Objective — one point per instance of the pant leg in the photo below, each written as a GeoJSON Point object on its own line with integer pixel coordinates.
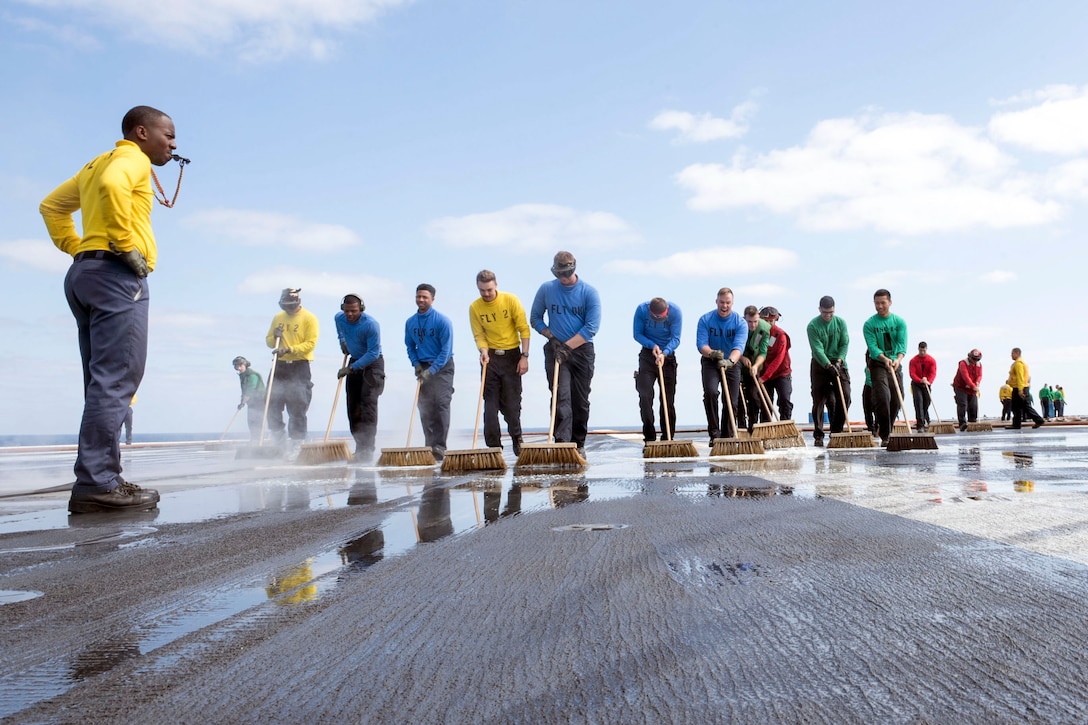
{"type": "Point", "coordinates": [781, 388]}
{"type": "Point", "coordinates": [434, 407]}
{"type": "Point", "coordinates": [110, 305]}
{"type": "Point", "coordinates": [299, 395]}
{"type": "Point", "coordinates": [712, 381]}
{"type": "Point", "coordinates": [668, 371]}
{"type": "Point", "coordinates": [867, 407]}
{"type": "Point", "coordinates": [821, 382]}
{"type": "Point", "coordinates": [510, 396]}
{"type": "Point", "coordinates": [918, 393]}
{"type": "Point", "coordinates": [841, 406]}
{"type": "Point", "coordinates": [353, 395]}
{"type": "Point", "coordinates": [732, 377]}
{"type": "Point", "coordinates": [255, 417]}
{"type": "Point", "coordinates": [581, 379]}
{"type": "Point", "coordinates": [972, 407]}
{"type": "Point", "coordinates": [645, 377]}
{"type": "Point", "coordinates": [751, 404]}
{"type": "Point", "coordinates": [561, 395]}
{"type": "Point", "coordinates": [128, 425]}
{"type": "Point", "coordinates": [277, 400]}
{"type": "Point", "coordinates": [493, 384]}
{"type": "Point", "coordinates": [885, 403]}
{"type": "Point", "coordinates": [373, 385]}
{"type": "Point", "coordinates": [961, 405]}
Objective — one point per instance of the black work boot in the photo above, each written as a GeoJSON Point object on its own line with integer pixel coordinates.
{"type": "Point", "coordinates": [125, 497]}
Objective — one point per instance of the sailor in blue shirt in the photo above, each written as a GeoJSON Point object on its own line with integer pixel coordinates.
{"type": "Point", "coordinates": [428, 335]}
{"type": "Point", "coordinates": [657, 327]}
{"type": "Point", "coordinates": [573, 312]}
{"type": "Point", "coordinates": [360, 340]}
{"type": "Point", "coordinates": [720, 337]}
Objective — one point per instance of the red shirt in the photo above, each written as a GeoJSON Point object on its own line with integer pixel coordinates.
{"type": "Point", "coordinates": [923, 367]}
{"type": "Point", "coordinates": [777, 362]}
{"type": "Point", "coordinates": [968, 376]}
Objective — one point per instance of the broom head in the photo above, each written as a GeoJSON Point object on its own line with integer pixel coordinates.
{"type": "Point", "coordinates": [421, 456]}
{"type": "Point", "coordinates": [474, 459]}
{"type": "Point", "coordinates": [550, 454]}
{"type": "Point", "coordinates": [779, 429]}
{"type": "Point", "coordinates": [900, 428]}
{"type": "Point", "coordinates": [941, 428]}
{"type": "Point", "coordinates": [980, 427]}
{"type": "Point", "coordinates": [787, 441]}
{"type": "Point", "coordinates": [912, 442]}
{"type": "Point", "coordinates": [736, 447]}
{"type": "Point", "coordinates": [310, 453]}
{"type": "Point", "coordinates": [851, 440]}
{"type": "Point", "coordinates": [669, 449]}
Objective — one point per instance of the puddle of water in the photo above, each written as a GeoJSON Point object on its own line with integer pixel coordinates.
{"type": "Point", "coordinates": [11, 596]}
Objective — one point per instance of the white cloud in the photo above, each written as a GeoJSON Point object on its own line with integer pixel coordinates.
{"type": "Point", "coordinates": [893, 279]}
{"type": "Point", "coordinates": [897, 173]}
{"type": "Point", "coordinates": [36, 254]}
{"type": "Point", "coordinates": [1053, 92]}
{"type": "Point", "coordinates": [705, 127]}
{"type": "Point", "coordinates": [319, 284]}
{"type": "Point", "coordinates": [710, 262]}
{"type": "Point", "coordinates": [999, 276]}
{"type": "Point", "coordinates": [1057, 125]}
{"type": "Point", "coordinates": [534, 227]}
{"type": "Point", "coordinates": [257, 30]}
{"type": "Point", "coordinates": [261, 228]}
{"type": "Point", "coordinates": [1069, 180]}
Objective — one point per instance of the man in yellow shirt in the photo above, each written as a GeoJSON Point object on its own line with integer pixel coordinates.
{"type": "Point", "coordinates": [501, 331]}
{"type": "Point", "coordinates": [292, 337]}
{"type": "Point", "coordinates": [107, 291]}
{"type": "Point", "coordinates": [1020, 380]}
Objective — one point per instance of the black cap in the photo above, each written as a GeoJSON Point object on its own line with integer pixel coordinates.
{"type": "Point", "coordinates": [769, 311]}
{"type": "Point", "coordinates": [827, 302]}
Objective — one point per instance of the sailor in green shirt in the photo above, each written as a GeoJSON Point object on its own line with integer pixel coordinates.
{"type": "Point", "coordinates": [755, 354]}
{"type": "Point", "coordinates": [829, 341]}
{"type": "Point", "coordinates": [886, 345]}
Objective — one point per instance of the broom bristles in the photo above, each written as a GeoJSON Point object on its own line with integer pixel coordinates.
{"type": "Point", "coordinates": [669, 449]}
{"type": "Point", "coordinates": [912, 442]}
{"type": "Point", "coordinates": [549, 454]}
{"type": "Point", "coordinates": [736, 447]}
{"type": "Point", "coordinates": [421, 456]}
{"type": "Point", "coordinates": [851, 440]}
{"type": "Point", "coordinates": [474, 459]}
{"type": "Point", "coordinates": [941, 428]}
{"type": "Point", "coordinates": [780, 429]}
{"type": "Point", "coordinates": [787, 441]}
{"type": "Point", "coordinates": [310, 453]}
{"type": "Point", "coordinates": [980, 427]}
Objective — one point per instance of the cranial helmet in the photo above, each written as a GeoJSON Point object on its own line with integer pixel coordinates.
{"type": "Point", "coordinates": [289, 299]}
{"type": "Point", "coordinates": [240, 361]}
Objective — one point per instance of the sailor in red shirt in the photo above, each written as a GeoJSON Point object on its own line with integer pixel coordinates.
{"type": "Point", "coordinates": [923, 370]}
{"type": "Point", "coordinates": [777, 375]}
{"type": "Point", "coordinates": [965, 387]}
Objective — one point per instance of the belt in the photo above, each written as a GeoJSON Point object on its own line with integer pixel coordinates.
{"type": "Point", "coordinates": [511, 351]}
{"type": "Point", "coordinates": [99, 254]}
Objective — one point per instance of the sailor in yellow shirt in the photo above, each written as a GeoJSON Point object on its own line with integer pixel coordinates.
{"type": "Point", "coordinates": [1004, 394]}
{"type": "Point", "coordinates": [107, 291]}
{"type": "Point", "coordinates": [292, 337]}
{"type": "Point", "coordinates": [501, 331]}
{"type": "Point", "coordinates": [1019, 380]}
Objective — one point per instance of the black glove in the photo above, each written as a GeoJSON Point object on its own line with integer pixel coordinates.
{"type": "Point", "coordinates": [716, 355]}
{"type": "Point", "coordinates": [344, 371]}
{"type": "Point", "coordinates": [133, 259]}
{"type": "Point", "coordinates": [833, 369]}
{"type": "Point", "coordinates": [344, 347]}
{"type": "Point", "coordinates": [241, 405]}
{"type": "Point", "coordinates": [418, 370]}
{"type": "Point", "coordinates": [560, 351]}
{"type": "Point", "coordinates": [725, 363]}
{"type": "Point", "coordinates": [424, 375]}
{"type": "Point", "coordinates": [278, 332]}
{"type": "Point", "coordinates": [282, 350]}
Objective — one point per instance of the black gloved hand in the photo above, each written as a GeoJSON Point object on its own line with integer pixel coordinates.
{"type": "Point", "coordinates": [425, 375]}
{"type": "Point", "coordinates": [344, 347]}
{"type": "Point", "coordinates": [560, 351]}
{"type": "Point", "coordinates": [833, 369]}
{"type": "Point", "coordinates": [241, 405]}
{"type": "Point", "coordinates": [716, 355]}
{"type": "Point", "coordinates": [343, 371]}
{"type": "Point", "coordinates": [281, 350]}
{"type": "Point", "coordinates": [133, 259]}
{"type": "Point", "coordinates": [278, 332]}
{"type": "Point", "coordinates": [725, 363]}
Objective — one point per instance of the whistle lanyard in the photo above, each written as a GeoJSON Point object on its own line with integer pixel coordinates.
{"type": "Point", "coordinates": [162, 200]}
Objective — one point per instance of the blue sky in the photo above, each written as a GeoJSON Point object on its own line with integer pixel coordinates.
{"type": "Point", "coordinates": [786, 150]}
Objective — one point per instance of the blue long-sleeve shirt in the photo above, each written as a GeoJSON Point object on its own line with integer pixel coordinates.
{"type": "Point", "coordinates": [574, 310]}
{"type": "Point", "coordinates": [429, 338]}
{"type": "Point", "coordinates": [362, 337]}
{"type": "Point", "coordinates": [721, 333]}
{"type": "Point", "coordinates": [663, 333]}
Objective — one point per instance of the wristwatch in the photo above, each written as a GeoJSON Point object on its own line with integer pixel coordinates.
{"type": "Point", "coordinates": [525, 353]}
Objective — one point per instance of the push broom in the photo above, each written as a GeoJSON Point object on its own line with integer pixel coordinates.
{"type": "Point", "coordinates": [733, 446]}
{"type": "Point", "coordinates": [324, 452]}
{"type": "Point", "coordinates": [778, 433]}
{"type": "Point", "coordinates": [938, 428]}
{"type": "Point", "coordinates": [408, 456]}
{"type": "Point", "coordinates": [979, 426]}
{"type": "Point", "coordinates": [667, 448]}
{"type": "Point", "coordinates": [849, 439]}
{"type": "Point", "coordinates": [482, 459]}
{"type": "Point", "coordinates": [550, 453]}
{"type": "Point", "coordinates": [907, 441]}
{"type": "Point", "coordinates": [259, 451]}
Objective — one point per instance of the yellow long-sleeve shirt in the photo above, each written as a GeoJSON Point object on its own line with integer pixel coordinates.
{"type": "Point", "coordinates": [499, 325]}
{"type": "Point", "coordinates": [1019, 376]}
{"type": "Point", "coordinates": [300, 332]}
{"type": "Point", "coordinates": [1004, 392]}
{"type": "Point", "coordinates": [113, 193]}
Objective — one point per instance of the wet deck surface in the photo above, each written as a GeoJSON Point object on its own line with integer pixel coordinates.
{"type": "Point", "coordinates": [807, 584]}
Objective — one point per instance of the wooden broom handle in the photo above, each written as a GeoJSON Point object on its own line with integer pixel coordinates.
{"type": "Point", "coordinates": [842, 402]}
{"type": "Point", "coordinates": [268, 391]}
{"type": "Point", "coordinates": [898, 394]}
{"type": "Point", "coordinates": [479, 407]}
{"type": "Point", "coordinates": [412, 414]}
{"type": "Point", "coordinates": [336, 399]}
{"type": "Point", "coordinates": [664, 401]}
{"type": "Point", "coordinates": [765, 399]}
{"type": "Point", "coordinates": [729, 402]}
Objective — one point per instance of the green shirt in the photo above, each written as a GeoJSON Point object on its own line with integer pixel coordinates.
{"type": "Point", "coordinates": [885, 336]}
{"type": "Point", "coordinates": [828, 340]}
